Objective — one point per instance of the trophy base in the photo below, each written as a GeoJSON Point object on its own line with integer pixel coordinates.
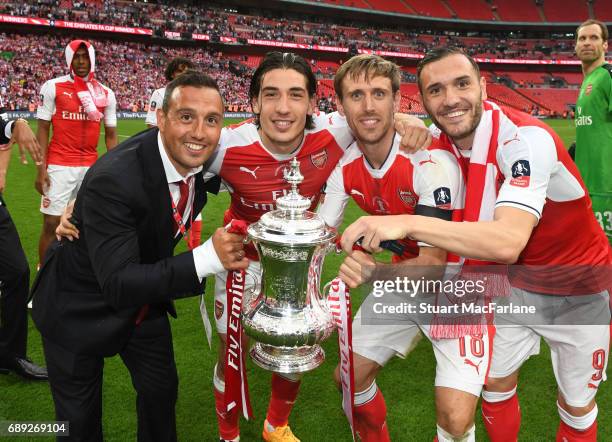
{"type": "Point", "coordinates": [287, 360]}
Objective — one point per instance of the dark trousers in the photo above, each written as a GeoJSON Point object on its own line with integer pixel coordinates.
{"type": "Point", "coordinates": [76, 384]}
{"type": "Point", "coordinates": [14, 284]}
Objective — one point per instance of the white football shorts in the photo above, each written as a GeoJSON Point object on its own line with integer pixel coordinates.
{"type": "Point", "coordinates": [461, 363]}
{"type": "Point", "coordinates": [577, 330]}
{"type": "Point", "coordinates": [65, 182]}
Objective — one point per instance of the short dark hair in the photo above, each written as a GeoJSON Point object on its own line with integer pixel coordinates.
{"type": "Point", "coordinates": [438, 54]}
{"type": "Point", "coordinates": [175, 64]}
{"type": "Point", "coordinates": [189, 78]}
{"type": "Point", "coordinates": [602, 26]}
{"type": "Point", "coordinates": [283, 60]}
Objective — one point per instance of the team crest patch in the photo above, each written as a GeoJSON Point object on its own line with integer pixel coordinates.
{"type": "Point", "coordinates": [218, 309]}
{"type": "Point", "coordinates": [521, 173]}
{"type": "Point", "coordinates": [46, 202]}
{"type": "Point", "coordinates": [442, 197]}
{"type": "Point", "coordinates": [408, 197]}
{"type": "Point", "coordinates": [153, 106]}
{"type": "Point", "coordinates": [319, 159]}
{"type": "Point", "coordinates": [588, 89]}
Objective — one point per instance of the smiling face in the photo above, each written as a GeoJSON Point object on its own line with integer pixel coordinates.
{"type": "Point", "coordinates": [452, 94]}
{"type": "Point", "coordinates": [369, 104]}
{"type": "Point", "coordinates": [590, 46]}
{"type": "Point", "coordinates": [191, 127]}
{"type": "Point", "coordinates": [81, 65]}
{"type": "Point", "coordinates": [282, 105]}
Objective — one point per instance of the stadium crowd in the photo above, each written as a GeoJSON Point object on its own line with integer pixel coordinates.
{"type": "Point", "coordinates": [132, 70]}
{"type": "Point", "coordinates": [185, 17]}
{"type": "Point", "coordinates": [135, 70]}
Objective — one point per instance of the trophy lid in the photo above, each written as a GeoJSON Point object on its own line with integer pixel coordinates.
{"type": "Point", "coordinates": [292, 223]}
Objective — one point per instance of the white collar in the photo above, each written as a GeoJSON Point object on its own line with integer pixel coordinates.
{"type": "Point", "coordinates": [172, 174]}
{"type": "Point", "coordinates": [386, 165]}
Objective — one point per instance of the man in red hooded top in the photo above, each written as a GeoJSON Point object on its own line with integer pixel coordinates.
{"type": "Point", "coordinates": [74, 104]}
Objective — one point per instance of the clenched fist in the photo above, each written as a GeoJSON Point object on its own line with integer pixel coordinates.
{"type": "Point", "coordinates": [230, 249]}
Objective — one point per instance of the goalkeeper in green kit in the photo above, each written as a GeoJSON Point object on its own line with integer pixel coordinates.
{"type": "Point", "coordinates": [594, 119]}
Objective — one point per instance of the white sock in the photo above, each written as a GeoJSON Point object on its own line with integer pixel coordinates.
{"type": "Point", "coordinates": [365, 396]}
{"type": "Point", "coordinates": [468, 436]}
{"type": "Point", "coordinates": [218, 383]}
{"type": "Point", "coordinates": [579, 423]}
{"type": "Point", "coordinates": [497, 396]}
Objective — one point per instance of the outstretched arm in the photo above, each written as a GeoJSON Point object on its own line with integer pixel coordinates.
{"type": "Point", "coordinates": [501, 240]}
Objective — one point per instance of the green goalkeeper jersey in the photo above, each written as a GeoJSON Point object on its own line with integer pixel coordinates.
{"type": "Point", "coordinates": [594, 141]}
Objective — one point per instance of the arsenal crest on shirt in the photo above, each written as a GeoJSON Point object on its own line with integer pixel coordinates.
{"type": "Point", "coordinates": [319, 159]}
{"type": "Point", "coordinates": [588, 89]}
{"type": "Point", "coordinates": [408, 197]}
{"type": "Point", "coordinates": [218, 309]}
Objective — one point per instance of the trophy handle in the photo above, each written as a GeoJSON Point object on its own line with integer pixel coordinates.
{"type": "Point", "coordinates": [331, 306]}
{"type": "Point", "coordinates": [252, 293]}
{"type": "Point", "coordinates": [333, 247]}
{"type": "Point", "coordinates": [325, 297]}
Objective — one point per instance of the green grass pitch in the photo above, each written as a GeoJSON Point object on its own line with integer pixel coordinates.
{"type": "Point", "coordinates": [317, 416]}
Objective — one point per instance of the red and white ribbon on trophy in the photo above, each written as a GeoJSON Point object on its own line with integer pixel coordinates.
{"type": "Point", "coordinates": [236, 385]}
{"type": "Point", "coordinates": [339, 302]}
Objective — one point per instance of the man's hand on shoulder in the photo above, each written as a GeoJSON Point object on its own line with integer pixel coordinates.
{"type": "Point", "coordinates": [230, 249]}
{"type": "Point", "coordinates": [414, 133]}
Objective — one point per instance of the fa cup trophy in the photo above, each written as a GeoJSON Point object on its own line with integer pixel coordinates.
{"type": "Point", "coordinates": [286, 314]}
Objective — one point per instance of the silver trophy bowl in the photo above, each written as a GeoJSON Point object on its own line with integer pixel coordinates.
{"type": "Point", "coordinates": [286, 313]}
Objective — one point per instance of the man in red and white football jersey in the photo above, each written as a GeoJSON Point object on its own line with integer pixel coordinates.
{"type": "Point", "coordinates": [73, 104]}
{"type": "Point", "coordinates": [251, 159]}
{"type": "Point", "coordinates": [383, 180]}
{"type": "Point", "coordinates": [532, 209]}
